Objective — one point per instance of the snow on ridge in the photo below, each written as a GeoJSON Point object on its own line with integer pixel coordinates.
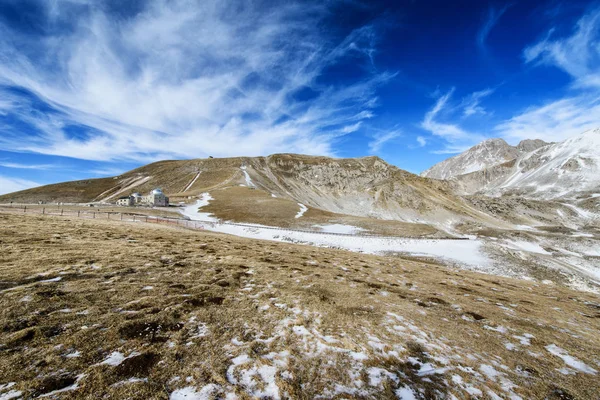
{"type": "Point", "coordinates": [559, 169]}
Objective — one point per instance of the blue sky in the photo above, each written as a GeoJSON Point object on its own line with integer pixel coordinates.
{"type": "Point", "coordinates": [95, 88]}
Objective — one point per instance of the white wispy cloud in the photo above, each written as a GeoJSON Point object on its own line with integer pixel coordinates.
{"type": "Point", "coordinates": [422, 141]}
{"type": "Point", "coordinates": [471, 104]}
{"type": "Point", "coordinates": [382, 138]}
{"type": "Point", "coordinates": [578, 54]}
{"type": "Point", "coordinates": [9, 185]}
{"type": "Point", "coordinates": [555, 121]}
{"type": "Point", "coordinates": [351, 128]}
{"type": "Point", "coordinates": [107, 171]}
{"type": "Point", "coordinates": [456, 137]}
{"type": "Point", "coordinates": [491, 19]}
{"type": "Point", "coordinates": [184, 79]}
{"type": "Point", "coordinates": [13, 165]}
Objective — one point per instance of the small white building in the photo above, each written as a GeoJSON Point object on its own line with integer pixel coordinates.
{"type": "Point", "coordinates": [125, 201]}
{"type": "Point", "coordinates": [137, 198]}
{"type": "Point", "coordinates": [156, 198]}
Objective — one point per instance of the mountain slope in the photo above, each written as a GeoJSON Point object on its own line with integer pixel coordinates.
{"type": "Point", "coordinates": [567, 169]}
{"type": "Point", "coordinates": [362, 187]}
{"type": "Point", "coordinates": [483, 155]}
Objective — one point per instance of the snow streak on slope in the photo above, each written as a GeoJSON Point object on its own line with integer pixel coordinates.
{"type": "Point", "coordinates": [249, 182]}
{"type": "Point", "coordinates": [303, 209]}
{"type": "Point", "coordinates": [192, 182]}
{"type": "Point", "coordinates": [135, 183]}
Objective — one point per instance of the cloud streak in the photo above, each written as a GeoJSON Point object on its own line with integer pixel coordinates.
{"type": "Point", "coordinates": [456, 137]}
{"type": "Point", "coordinates": [492, 18]}
{"type": "Point", "coordinates": [182, 79]}
{"type": "Point", "coordinates": [472, 103]}
{"type": "Point", "coordinates": [382, 138]}
{"type": "Point", "coordinates": [578, 55]}
{"type": "Point", "coordinates": [9, 185]}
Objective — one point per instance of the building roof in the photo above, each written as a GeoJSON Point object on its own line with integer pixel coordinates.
{"type": "Point", "coordinates": [157, 191]}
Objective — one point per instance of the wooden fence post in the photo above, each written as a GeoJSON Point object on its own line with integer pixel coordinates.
{"type": "Point", "coordinates": [94, 213]}
{"type": "Point", "coordinates": [43, 210]}
{"type": "Point", "coordinates": [61, 211]}
{"type": "Point", "coordinates": [24, 209]}
{"type": "Point", "coordinates": [78, 211]}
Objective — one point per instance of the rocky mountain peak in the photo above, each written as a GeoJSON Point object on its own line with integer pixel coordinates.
{"type": "Point", "coordinates": [527, 145]}
{"type": "Point", "coordinates": [485, 154]}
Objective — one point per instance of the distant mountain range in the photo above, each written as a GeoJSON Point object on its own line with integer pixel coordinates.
{"type": "Point", "coordinates": [534, 169]}
{"type": "Point", "coordinates": [484, 155]}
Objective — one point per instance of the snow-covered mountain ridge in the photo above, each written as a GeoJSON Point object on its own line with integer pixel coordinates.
{"type": "Point", "coordinates": [560, 170]}
{"type": "Point", "coordinates": [486, 154]}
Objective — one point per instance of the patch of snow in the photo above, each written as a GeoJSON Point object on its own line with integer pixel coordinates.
{"type": "Point", "coordinates": [526, 246]}
{"type": "Point", "coordinates": [570, 360]}
{"type": "Point", "coordinates": [189, 393]}
{"type": "Point", "coordinates": [57, 279]}
{"type": "Point", "coordinates": [11, 394]}
{"type": "Point", "coordinates": [115, 358]}
{"type": "Point", "coordinates": [303, 209]}
{"type": "Point", "coordinates": [377, 376]}
{"type": "Point", "coordinates": [130, 381]}
{"type": "Point", "coordinates": [405, 393]}
{"type": "Point", "coordinates": [340, 228]}
{"type": "Point", "coordinates": [249, 182]}
{"type": "Point", "coordinates": [193, 211]}
{"type": "Point", "coordinates": [467, 252]}
{"type": "Point", "coordinates": [192, 182]}
{"type": "Point", "coordinates": [499, 328]}
{"type": "Point", "coordinates": [525, 339]}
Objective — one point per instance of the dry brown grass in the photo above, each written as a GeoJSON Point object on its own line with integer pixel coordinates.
{"type": "Point", "coordinates": [172, 212]}
{"type": "Point", "coordinates": [245, 205]}
{"type": "Point", "coordinates": [253, 298]}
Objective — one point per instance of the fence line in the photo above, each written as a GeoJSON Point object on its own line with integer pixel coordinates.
{"type": "Point", "coordinates": [183, 222]}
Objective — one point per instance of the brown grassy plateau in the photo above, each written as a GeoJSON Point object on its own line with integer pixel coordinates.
{"type": "Point", "coordinates": [245, 205]}
{"type": "Point", "coordinates": [103, 309]}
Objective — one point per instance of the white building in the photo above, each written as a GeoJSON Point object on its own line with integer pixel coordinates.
{"type": "Point", "coordinates": [125, 201]}
{"type": "Point", "coordinates": [155, 198]}
{"type": "Point", "coordinates": [137, 198]}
